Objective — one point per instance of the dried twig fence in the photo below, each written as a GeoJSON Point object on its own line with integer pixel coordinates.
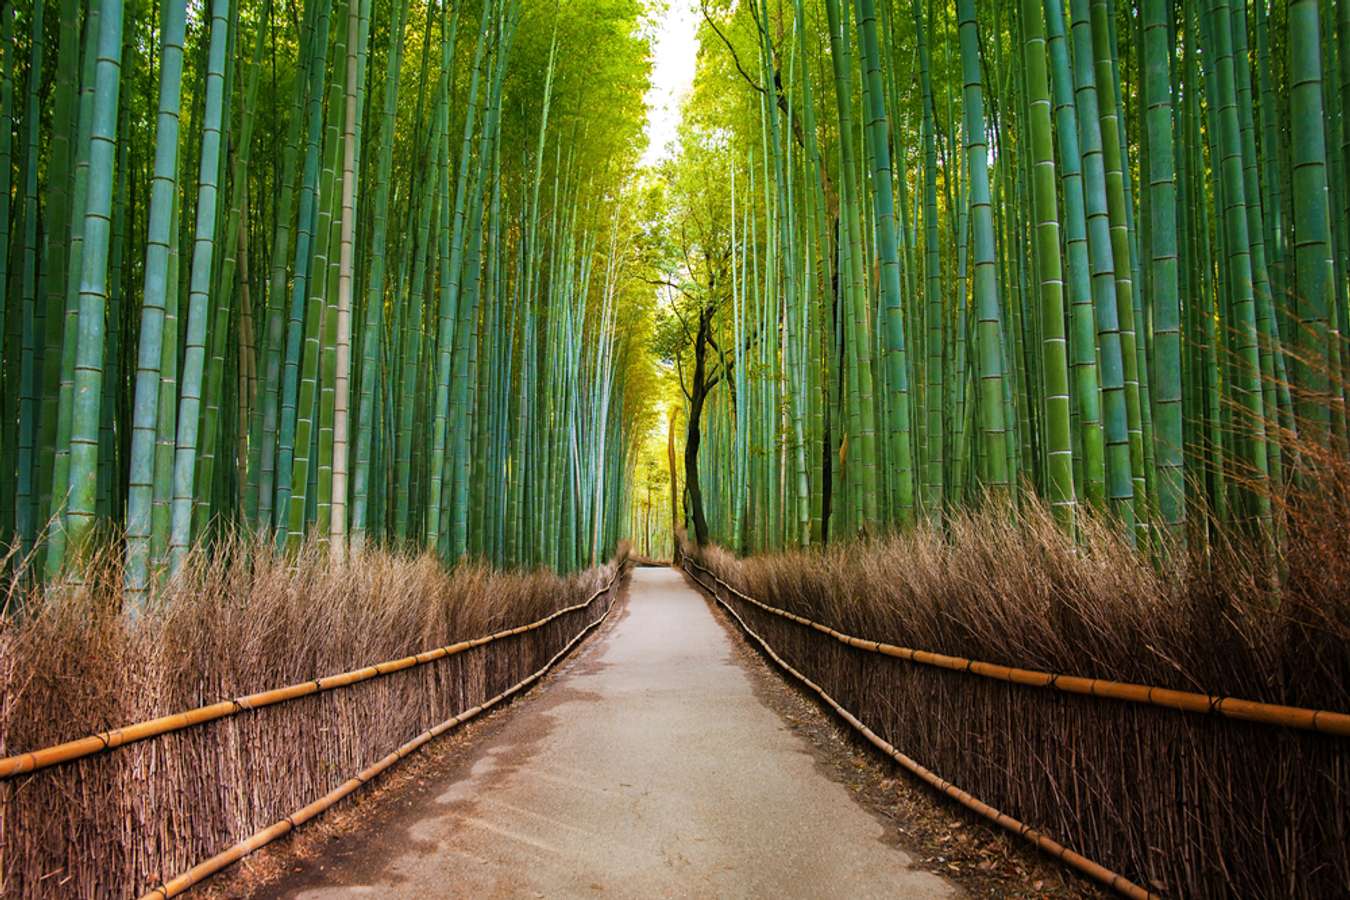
{"type": "Point", "coordinates": [1083, 764]}
{"type": "Point", "coordinates": [312, 729]}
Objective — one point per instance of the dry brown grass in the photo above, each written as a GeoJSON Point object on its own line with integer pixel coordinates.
{"type": "Point", "coordinates": [1192, 805]}
{"type": "Point", "coordinates": [245, 620]}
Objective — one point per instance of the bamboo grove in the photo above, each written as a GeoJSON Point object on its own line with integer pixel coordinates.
{"type": "Point", "coordinates": [1094, 249]}
{"type": "Point", "coordinates": [333, 270]}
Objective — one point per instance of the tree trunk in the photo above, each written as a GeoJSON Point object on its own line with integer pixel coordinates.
{"type": "Point", "coordinates": [698, 393]}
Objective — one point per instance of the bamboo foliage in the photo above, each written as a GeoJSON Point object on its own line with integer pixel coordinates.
{"type": "Point", "coordinates": [1069, 250]}
{"type": "Point", "coordinates": [266, 346]}
{"type": "Point", "coordinates": [1086, 249]}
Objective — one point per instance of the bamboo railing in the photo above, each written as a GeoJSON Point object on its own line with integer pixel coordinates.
{"type": "Point", "coordinates": [33, 760]}
{"type": "Point", "coordinates": [1324, 721]}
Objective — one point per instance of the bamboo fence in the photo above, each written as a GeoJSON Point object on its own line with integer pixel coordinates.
{"type": "Point", "coordinates": [79, 821]}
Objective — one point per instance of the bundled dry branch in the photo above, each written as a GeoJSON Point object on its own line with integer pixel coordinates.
{"type": "Point", "coordinates": [119, 823]}
{"type": "Point", "coordinates": [1187, 805]}
{"type": "Point", "coordinates": [114, 738]}
{"type": "Point", "coordinates": [1320, 720]}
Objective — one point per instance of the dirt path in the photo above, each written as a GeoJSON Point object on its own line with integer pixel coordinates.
{"type": "Point", "coordinates": [648, 768]}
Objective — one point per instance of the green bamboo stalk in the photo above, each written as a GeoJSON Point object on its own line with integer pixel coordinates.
{"type": "Point", "coordinates": [342, 388]}
{"type": "Point", "coordinates": [451, 274]}
{"type": "Point", "coordinates": [1247, 364]}
{"type": "Point", "coordinates": [1083, 343]}
{"type": "Point", "coordinates": [74, 227]}
{"type": "Point", "coordinates": [1163, 287]}
{"type": "Point", "coordinates": [265, 431]}
{"type": "Point", "coordinates": [1058, 443]}
{"type": "Point", "coordinates": [297, 320]}
{"type": "Point", "coordinates": [89, 361]}
{"type": "Point", "coordinates": [58, 217]}
{"type": "Point", "coordinates": [1311, 221]}
{"type": "Point", "coordinates": [194, 356]}
{"type": "Point", "coordinates": [990, 368]}
{"type": "Point", "coordinates": [1093, 33]}
{"type": "Point", "coordinates": [224, 302]}
{"type": "Point", "coordinates": [30, 363]}
{"type": "Point", "coordinates": [1112, 365]}
{"type": "Point", "coordinates": [862, 412]}
{"type": "Point", "coordinates": [901, 449]}
{"type": "Point", "coordinates": [375, 289]}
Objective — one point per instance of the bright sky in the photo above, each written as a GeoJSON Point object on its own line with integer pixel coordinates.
{"type": "Point", "coordinates": [674, 52]}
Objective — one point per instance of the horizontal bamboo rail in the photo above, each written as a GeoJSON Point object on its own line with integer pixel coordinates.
{"type": "Point", "coordinates": [1094, 870]}
{"type": "Point", "coordinates": [203, 870]}
{"type": "Point", "coordinates": [33, 760]}
{"type": "Point", "coordinates": [1323, 721]}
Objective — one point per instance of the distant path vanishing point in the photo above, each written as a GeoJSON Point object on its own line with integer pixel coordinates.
{"type": "Point", "coordinates": [646, 768]}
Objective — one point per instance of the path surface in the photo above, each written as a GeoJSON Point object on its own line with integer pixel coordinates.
{"type": "Point", "coordinates": [647, 768]}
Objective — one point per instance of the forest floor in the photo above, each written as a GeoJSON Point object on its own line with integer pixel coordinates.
{"type": "Point", "coordinates": [664, 759]}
